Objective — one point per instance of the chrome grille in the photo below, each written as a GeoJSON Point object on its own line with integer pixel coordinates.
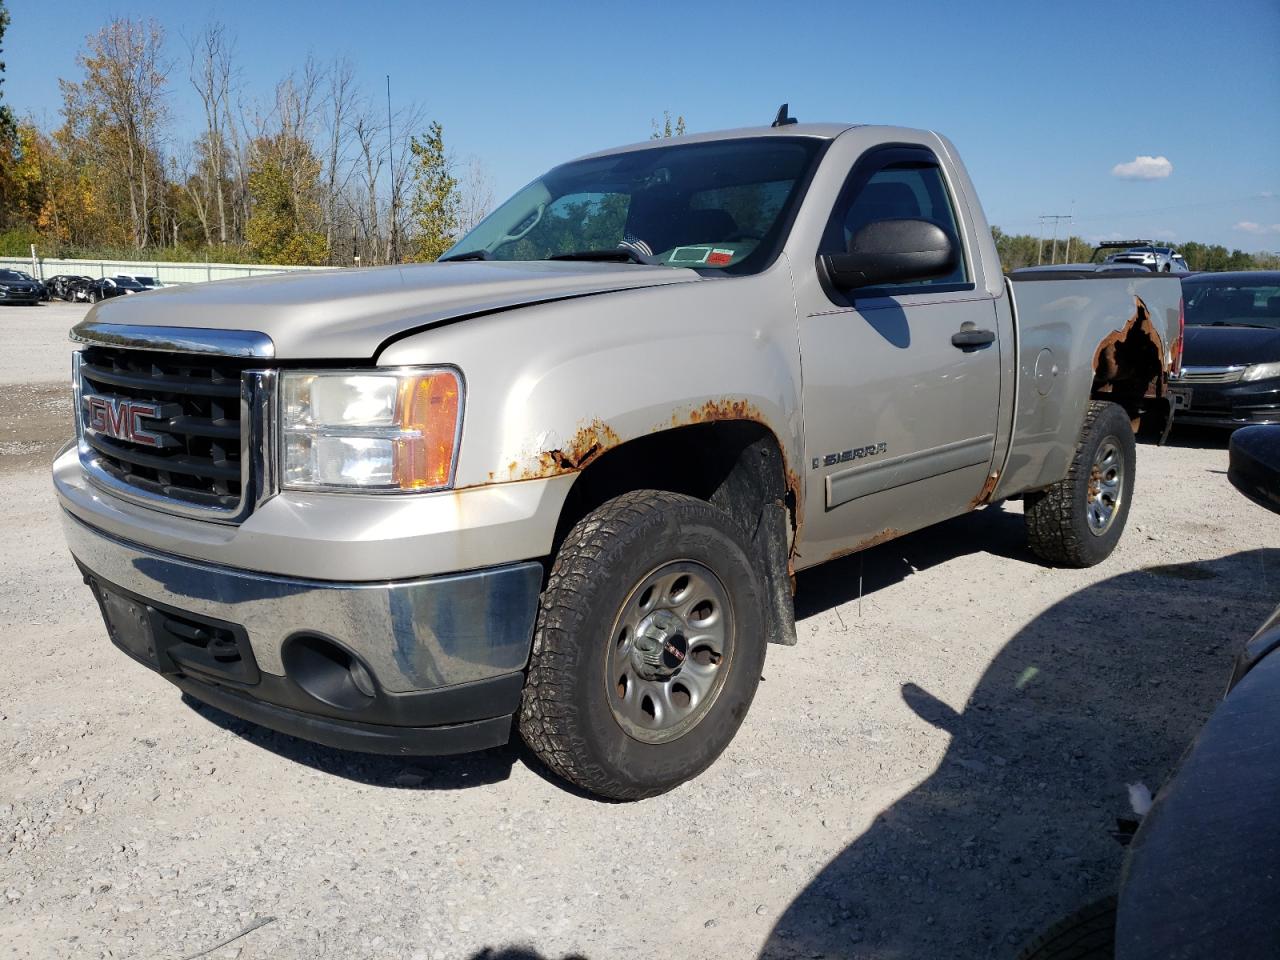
{"type": "Point", "coordinates": [170, 430]}
{"type": "Point", "coordinates": [1193, 375]}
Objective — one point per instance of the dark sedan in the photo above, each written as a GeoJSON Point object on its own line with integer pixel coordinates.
{"type": "Point", "coordinates": [107, 287]}
{"type": "Point", "coordinates": [17, 287]}
{"type": "Point", "coordinates": [1231, 353]}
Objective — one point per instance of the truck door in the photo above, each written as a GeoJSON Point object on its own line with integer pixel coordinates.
{"type": "Point", "coordinates": [900, 412]}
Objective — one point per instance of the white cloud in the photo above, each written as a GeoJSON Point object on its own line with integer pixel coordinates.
{"type": "Point", "coordinates": [1143, 168]}
{"type": "Point", "coordinates": [1257, 229]}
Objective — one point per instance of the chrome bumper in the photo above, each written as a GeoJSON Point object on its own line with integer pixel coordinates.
{"type": "Point", "coordinates": [412, 635]}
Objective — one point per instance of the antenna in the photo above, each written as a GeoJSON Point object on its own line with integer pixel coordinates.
{"type": "Point", "coordinates": [393, 251]}
{"type": "Point", "coordinates": [783, 118]}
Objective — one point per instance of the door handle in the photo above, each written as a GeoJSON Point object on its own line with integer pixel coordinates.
{"type": "Point", "coordinates": [970, 339]}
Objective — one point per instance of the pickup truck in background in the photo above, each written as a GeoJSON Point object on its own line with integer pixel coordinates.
{"type": "Point", "coordinates": [563, 478]}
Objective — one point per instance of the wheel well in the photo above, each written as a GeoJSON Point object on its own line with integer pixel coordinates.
{"type": "Point", "coordinates": [735, 464]}
{"type": "Point", "coordinates": [1128, 368]}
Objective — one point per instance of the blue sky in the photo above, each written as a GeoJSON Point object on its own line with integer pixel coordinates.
{"type": "Point", "coordinates": [1043, 101]}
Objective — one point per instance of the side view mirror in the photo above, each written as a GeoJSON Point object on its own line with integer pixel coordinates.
{"type": "Point", "coordinates": [1254, 464]}
{"type": "Point", "coordinates": [893, 251]}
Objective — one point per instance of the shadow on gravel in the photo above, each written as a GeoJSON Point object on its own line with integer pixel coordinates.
{"type": "Point", "coordinates": [1199, 438]}
{"type": "Point", "coordinates": [992, 530]}
{"type": "Point", "coordinates": [1012, 830]}
{"type": "Point", "coordinates": [518, 953]}
{"type": "Point", "coordinates": [406, 773]}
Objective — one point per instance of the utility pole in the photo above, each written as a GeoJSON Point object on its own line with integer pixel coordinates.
{"type": "Point", "coordinates": [393, 252]}
{"type": "Point", "coordinates": [1066, 257]}
{"type": "Point", "coordinates": [1057, 218]}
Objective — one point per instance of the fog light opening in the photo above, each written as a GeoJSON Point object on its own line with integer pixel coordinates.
{"type": "Point", "coordinates": [328, 672]}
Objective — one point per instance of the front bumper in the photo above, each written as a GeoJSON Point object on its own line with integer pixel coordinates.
{"type": "Point", "coordinates": [1230, 405]}
{"type": "Point", "coordinates": [440, 659]}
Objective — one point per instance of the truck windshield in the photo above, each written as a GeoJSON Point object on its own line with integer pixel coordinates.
{"type": "Point", "coordinates": [1214, 302]}
{"type": "Point", "coordinates": [723, 206]}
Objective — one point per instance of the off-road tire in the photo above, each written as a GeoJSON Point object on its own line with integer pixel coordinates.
{"type": "Point", "coordinates": [565, 715]}
{"type": "Point", "coordinates": [1058, 529]}
{"type": "Point", "coordinates": [1088, 934]}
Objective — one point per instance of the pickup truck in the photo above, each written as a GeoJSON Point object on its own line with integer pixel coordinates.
{"type": "Point", "coordinates": [563, 479]}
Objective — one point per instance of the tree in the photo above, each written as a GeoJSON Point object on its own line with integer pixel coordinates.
{"type": "Point", "coordinates": [7, 125]}
{"type": "Point", "coordinates": [284, 186]}
{"type": "Point", "coordinates": [117, 110]}
{"type": "Point", "coordinates": [667, 128]}
{"type": "Point", "coordinates": [210, 73]}
{"type": "Point", "coordinates": [435, 207]}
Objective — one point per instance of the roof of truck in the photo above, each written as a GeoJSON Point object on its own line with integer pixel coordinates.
{"type": "Point", "coordinates": [821, 131]}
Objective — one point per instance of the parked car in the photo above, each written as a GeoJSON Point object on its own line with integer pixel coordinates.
{"type": "Point", "coordinates": [1231, 356]}
{"type": "Point", "coordinates": [1142, 253]}
{"type": "Point", "coordinates": [108, 287]}
{"type": "Point", "coordinates": [562, 478]}
{"type": "Point", "coordinates": [62, 285]}
{"type": "Point", "coordinates": [146, 282]}
{"type": "Point", "coordinates": [19, 287]}
{"type": "Point", "coordinates": [41, 286]}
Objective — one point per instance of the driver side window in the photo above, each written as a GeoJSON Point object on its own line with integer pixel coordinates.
{"type": "Point", "coordinates": [902, 191]}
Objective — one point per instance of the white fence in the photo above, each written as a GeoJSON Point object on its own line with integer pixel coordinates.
{"type": "Point", "coordinates": [45, 267]}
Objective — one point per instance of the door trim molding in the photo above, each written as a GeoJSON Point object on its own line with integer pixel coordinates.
{"type": "Point", "coordinates": [860, 481]}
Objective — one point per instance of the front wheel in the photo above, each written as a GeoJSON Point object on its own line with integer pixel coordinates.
{"type": "Point", "coordinates": [1077, 522]}
{"type": "Point", "coordinates": [649, 646]}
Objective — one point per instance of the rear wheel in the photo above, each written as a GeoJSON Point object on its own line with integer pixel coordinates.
{"type": "Point", "coordinates": [648, 649]}
{"type": "Point", "coordinates": [1078, 521]}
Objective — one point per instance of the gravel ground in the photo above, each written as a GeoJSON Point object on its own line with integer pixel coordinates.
{"type": "Point", "coordinates": [36, 348]}
{"type": "Point", "coordinates": [933, 771]}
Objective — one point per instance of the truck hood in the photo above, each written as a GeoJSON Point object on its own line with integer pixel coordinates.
{"type": "Point", "coordinates": [351, 314]}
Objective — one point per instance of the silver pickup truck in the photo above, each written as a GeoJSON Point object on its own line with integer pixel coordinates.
{"type": "Point", "coordinates": [562, 479]}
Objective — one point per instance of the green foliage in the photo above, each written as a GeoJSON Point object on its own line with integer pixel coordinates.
{"type": "Point", "coordinates": [284, 179]}
{"type": "Point", "coordinates": [17, 241]}
{"type": "Point", "coordinates": [1024, 250]}
{"type": "Point", "coordinates": [667, 128]}
{"type": "Point", "coordinates": [1214, 256]}
{"type": "Point", "coordinates": [436, 207]}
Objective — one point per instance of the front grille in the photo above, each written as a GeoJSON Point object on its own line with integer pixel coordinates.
{"type": "Point", "coordinates": [1210, 374]}
{"type": "Point", "coordinates": [189, 448]}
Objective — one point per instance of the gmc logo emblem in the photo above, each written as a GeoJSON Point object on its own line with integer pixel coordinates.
{"type": "Point", "coordinates": [121, 418]}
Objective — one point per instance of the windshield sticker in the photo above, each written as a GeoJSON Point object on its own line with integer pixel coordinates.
{"type": "Point", "coordinates": [719, 258]}
{"type": "Point", "coordinates": [689, 255]}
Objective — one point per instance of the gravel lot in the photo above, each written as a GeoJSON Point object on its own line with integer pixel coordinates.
{"type": "Point", "coordinates": [933, 771]}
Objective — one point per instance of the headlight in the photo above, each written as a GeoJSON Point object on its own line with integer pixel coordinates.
{"type": "Point", "coordinates": [1261, 371]}
{"type": "Point", "coordinates": [380, 430]}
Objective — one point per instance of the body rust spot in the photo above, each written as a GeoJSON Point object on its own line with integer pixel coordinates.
{"type": "Point", "coordinates": [588, 443]}
{"type": "Point", "coordinates": [984, 495]}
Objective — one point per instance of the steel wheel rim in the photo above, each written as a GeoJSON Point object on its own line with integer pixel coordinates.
{"type": "Point", "coordinates": [1106, 487]}
{"type": "Point", "coordinates": [670, 651]}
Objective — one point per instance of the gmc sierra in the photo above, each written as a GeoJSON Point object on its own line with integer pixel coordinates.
{"type": "Point", "coordinates": [564, 477]}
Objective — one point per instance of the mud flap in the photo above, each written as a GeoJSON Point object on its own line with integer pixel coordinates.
{"type": "Point", "coordinates": [770, 543]}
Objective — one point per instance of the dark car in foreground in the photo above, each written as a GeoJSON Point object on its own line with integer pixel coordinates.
{"type": "Point", "coordinates": [108, 287]}
{"type": "Point", "coordinates": [17, 287]}
{"type": "Point", "coordinates": [1231, 353]}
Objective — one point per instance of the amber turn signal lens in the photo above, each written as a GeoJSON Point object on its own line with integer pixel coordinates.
{"type": "Point", "coordinates": [427, 411]}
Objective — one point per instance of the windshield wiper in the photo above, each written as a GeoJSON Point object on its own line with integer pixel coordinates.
{"type": "Point", "coordinates": [467, 255]}
{"type": "Point", "coordinates": [613, 255]}
{"type": "Point", "coordinates": [1231, 323]}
